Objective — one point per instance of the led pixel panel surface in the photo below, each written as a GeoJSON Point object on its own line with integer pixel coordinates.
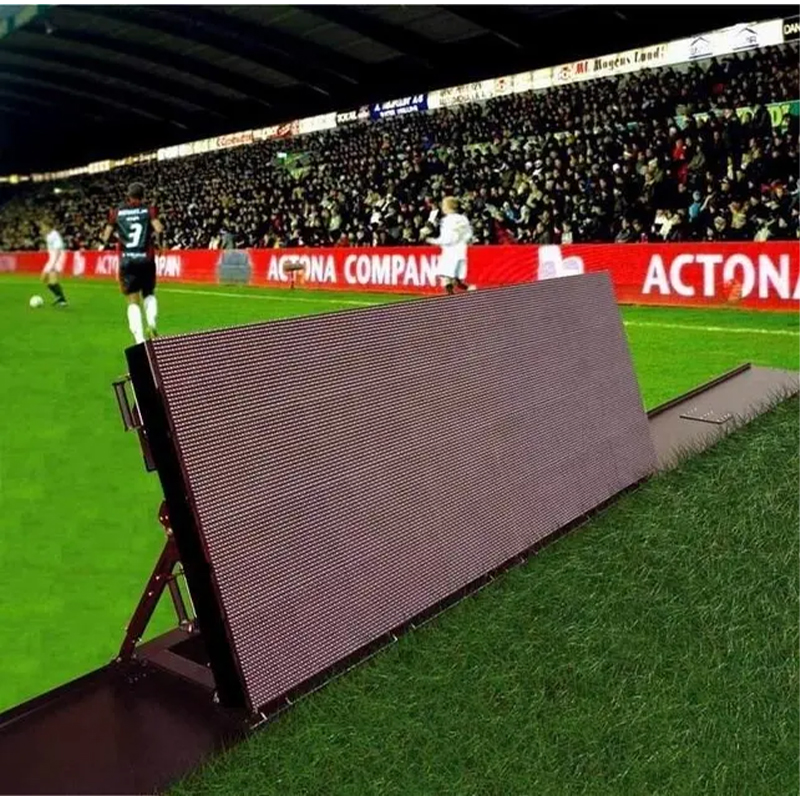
{"type": "Point", "coordinates": [350, 470]}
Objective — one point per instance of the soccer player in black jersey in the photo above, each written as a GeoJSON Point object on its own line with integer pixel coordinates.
{"type": "Point", "coordinates": [137, 227]}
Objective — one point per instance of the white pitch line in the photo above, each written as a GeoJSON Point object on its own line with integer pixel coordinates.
{"type": "Point", "coordinates": [709, 328]}
{"type": "Point", "coordinates": [332, 299]}
{"type": "Point", "coordinates": [286, 295]}
{"type": "Point", "coordinates": [293, 297]}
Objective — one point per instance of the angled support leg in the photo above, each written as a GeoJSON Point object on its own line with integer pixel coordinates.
{"type": "Point", "coordinates": [163, 577]}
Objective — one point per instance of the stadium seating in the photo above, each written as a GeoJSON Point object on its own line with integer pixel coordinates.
{"type": "Point", "coordinates": [660, 155]}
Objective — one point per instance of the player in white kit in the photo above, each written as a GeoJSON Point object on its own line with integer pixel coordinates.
{"type": "Point", "coordinates": [56, 259]}
{"type": "Point", "coordinates": [454, 236]}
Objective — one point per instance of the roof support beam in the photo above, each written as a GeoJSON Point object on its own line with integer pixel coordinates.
{"type": "Point", "coordinates": [323, 61]}
{"type": "Point", "coordinates": [71, 99]}
{"type": "Point", "coordinates": [196, 27]}
{"type": "Point", "coordinates": [501, 21]}
{"type": "Point", "coordinates": [96, 90]}
{"type": "Point", "coordinates": [140, 78]}
{"type": "Point", "coordinates": [27, 100]}
{"type": "Point", "coordinates": [406, 42]}
{"type": "Point", "coordinates": [196, 67]}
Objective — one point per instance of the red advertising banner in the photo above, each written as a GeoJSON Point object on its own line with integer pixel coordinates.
{"type": "Point", "coordinates": [752, 275]}
{"type": "Point", "coordinates": [760, 275]}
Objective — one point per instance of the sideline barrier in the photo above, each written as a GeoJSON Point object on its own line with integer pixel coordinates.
{"type": "Point", "coordinates": [758, 275]}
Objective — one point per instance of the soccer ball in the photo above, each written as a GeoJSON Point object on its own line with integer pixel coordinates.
{"type": "Point", "coordinates": [36, 301]}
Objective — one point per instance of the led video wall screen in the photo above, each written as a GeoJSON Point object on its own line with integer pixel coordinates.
{"type": "Point", "coordinates": [347, 471]}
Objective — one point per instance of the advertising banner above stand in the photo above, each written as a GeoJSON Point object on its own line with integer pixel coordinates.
{"type": "Point", "coordinates": [395, 108]}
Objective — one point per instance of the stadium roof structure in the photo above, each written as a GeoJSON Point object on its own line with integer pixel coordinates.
{"type": "Point", "coordinates": [84, 83]}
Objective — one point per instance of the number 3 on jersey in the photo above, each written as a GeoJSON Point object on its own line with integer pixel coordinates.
{"type": "Point", "coordinates": [134, 235]}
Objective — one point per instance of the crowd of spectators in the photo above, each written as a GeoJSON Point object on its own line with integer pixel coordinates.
{"type": "Point", "coordinates": [658, 155]}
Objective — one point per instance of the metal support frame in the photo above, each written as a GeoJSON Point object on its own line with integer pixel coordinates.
{"type": "Point", "coordinates": [167, 651]}
{"type": "Point", "coordinates": [204, 656]}
{"type": "Point", "coordinates": [132, 419]}
{"type": "Point", "coordinates": [164, 576]}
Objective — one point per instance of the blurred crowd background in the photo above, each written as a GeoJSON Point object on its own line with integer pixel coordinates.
{"type": "Point", "coordinates": [670, 154]}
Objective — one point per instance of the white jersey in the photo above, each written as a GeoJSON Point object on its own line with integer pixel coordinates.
{"type": "Point", "coordinates": [55, 243]}
{"type": "Point", "coordinates": [455, 235]}
{"type": "Point", "coordinates": [55, 252]}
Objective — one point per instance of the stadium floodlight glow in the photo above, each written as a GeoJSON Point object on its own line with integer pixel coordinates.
{"type": "Point", "coordinates": [331, 478]}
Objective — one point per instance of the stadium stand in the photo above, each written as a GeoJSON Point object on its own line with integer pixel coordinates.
{"type": "Point", "coordinates": [659, 155]}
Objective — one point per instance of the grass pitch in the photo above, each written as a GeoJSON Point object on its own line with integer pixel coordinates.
{"type": "Point", "coordinates": [674, 632]}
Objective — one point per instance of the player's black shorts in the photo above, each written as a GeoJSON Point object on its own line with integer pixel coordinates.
{"type": "Point", "coordinates": [137, 275]}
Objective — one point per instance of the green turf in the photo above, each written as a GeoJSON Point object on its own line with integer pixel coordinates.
{"type": "Point", "coordinates": [78, 532]}
{"type": "Point", "coordinates": [654, 652]}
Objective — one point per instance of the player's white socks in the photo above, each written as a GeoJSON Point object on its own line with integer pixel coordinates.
{"type": "Point", "coordinates": [151, 310]}
{"type": "Point", "coordinates": [135, 322]}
